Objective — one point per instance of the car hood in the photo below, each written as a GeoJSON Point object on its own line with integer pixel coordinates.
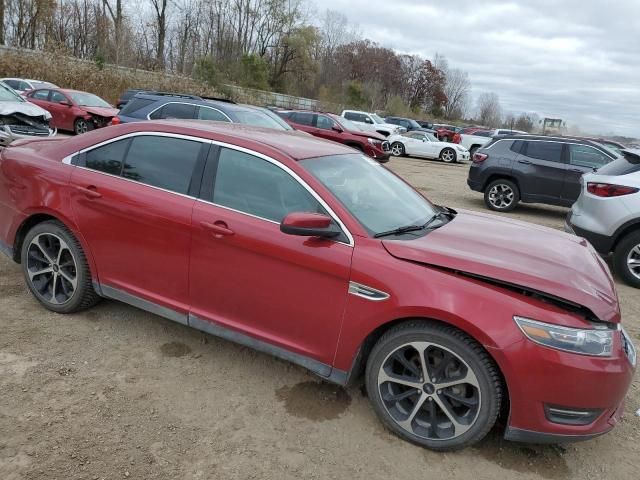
{"type": "Point", "coordinates": [518, 254]}
{"type": "Point", "coordinates": [102, 111]}
{"type": "Point", "coordinates": [360, 133]}
{"type": "Point", "coordinates": [26, 108]}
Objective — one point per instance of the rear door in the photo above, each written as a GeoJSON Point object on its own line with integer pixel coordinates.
{"type": "Point", "coordinates": [582, 159]}
{"type": "Point", "coordinates": [540, 170]}
{"type": "Point", "coordinates": [133, 200]}
{"type": "Point", "coordinates": [304, 121]}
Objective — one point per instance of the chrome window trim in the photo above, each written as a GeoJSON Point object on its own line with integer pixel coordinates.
{"type": "Point", "coordinates": [187, 103]}
{"type": "Point", "coordinates": [548, 141]}
{"type": "Point", "coordinates": [67, 160]}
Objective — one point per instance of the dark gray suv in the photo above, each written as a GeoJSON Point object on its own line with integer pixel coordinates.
{"type": "Point", "coordinates": [534, 169]}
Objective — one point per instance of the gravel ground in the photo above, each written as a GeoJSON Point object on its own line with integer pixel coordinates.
{"type": "Point", "coordinates": [119, 393]}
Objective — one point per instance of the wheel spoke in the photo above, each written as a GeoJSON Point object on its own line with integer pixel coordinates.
{"type": "Point", "coordinates": [54, 286]}
{"type": "Point", "coordinates": [469, 378]}
{"type": "Point", "coordinates": [36, 273]}
{"type": "Point", "coordinates": [469, 402]}
{"type": "Point", "coordinates": [406, 424]}
{"type": "Point", "coordinates": [399, 356]}
{"type": "Point", "coordinates": [458, 427]}
{"type": "Point", "coordinates": [48, 257]}
{"type": "Point", "coordinates": [401, 396]}
{"type": "Point", "coordinates": [384, 377]}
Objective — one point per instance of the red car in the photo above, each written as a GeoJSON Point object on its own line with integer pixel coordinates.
{"type": "Point", "coordinates": [447, 133]}
{"type": "Point", "coordinates": [338, 129]}
{"type": "Point", "coordinates": [298, 247]}
{"type": "Point", "coordinates": [73, 110]}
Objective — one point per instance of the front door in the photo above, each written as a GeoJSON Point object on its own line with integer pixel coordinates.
{"type": "Point", "coordinates": [247, 276]}
{"type": "Point", "coordinates": [133, 201]}
{"type": "Point", "coordinates": [63, 114]}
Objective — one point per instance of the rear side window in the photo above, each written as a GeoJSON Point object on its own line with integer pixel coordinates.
{"type": "Point", "coordinates": [135, 104]}
{"type": "Point", "coordinates": [516, 146]}
{"type": "Point", "coordinates": [303, 119]}
{"type": "Point", "coordinates": [355, 117]}
{"type": "Point", "coordinates": [621, 166]}
{"type": "Point", "coordinates": [255, 186]}
{"type": "Point", "coordinates": [586, 156]}
{"type": "Point", "coordinates": [549, 151]}
{"type": "Point", "coordinates": [162, 162]}
{"type": "Point", "coordinates": [175, 110]}
{"type": "Point", "coordinates": [108, 158]}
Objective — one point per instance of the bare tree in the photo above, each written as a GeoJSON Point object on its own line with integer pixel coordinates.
{"type": "Point", "coordinates": [457, 87]}
{"type": "Point", "coordinates": [489, 109]}
{"type": "Point", "coordinates": [160, 9]}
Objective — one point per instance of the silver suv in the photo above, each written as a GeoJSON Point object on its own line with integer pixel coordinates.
{"type": "Point", "coordinates": [607, 213]}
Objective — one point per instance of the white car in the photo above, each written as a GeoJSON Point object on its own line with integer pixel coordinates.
{"type": "Point", "coordinates": [22, 85]}
{"type": "Point", "coordinates": [476, 140]}
{"type": "Point", "coordinates": [372, 122]}
{"type": "Point", "coordinates": [420, 144]}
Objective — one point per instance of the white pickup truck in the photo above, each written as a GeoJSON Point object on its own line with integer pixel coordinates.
{"type": "Point", "coordinates": [474, 141]}
{"type": "Point", "coordinates": [372, 122]}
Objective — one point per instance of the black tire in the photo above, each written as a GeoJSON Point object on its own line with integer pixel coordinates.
{"type": "Point", "coordinates": [448, 155]}
{"type": "Point", "coordinates": [459, 346]}
{"type": "Point", "coordinates": [501, 195]}
{"type": "Point", "coordinates": [81, 126]}
{"type": "Point", "coordinates": [624, 252]}
{"type": "Point", "coordinates": [71, 263]}
{"type": "Point", "coordinates": [400, 147]}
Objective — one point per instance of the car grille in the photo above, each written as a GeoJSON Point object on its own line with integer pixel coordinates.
{"type": "Point", "coordinates": [386, 146]}
{"type": "Point", "coordinates": [28, 130]}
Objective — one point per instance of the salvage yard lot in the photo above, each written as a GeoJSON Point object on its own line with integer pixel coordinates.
{"type": "Point", "coordinates": [115, 392]}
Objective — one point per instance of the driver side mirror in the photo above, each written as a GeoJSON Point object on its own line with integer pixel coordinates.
{"type": "Point", "coordinates": [309, 225]}
{"type": "Point", "coordinates": [337, 128]}
{"type": "Point", "coordinates": [66, 103]}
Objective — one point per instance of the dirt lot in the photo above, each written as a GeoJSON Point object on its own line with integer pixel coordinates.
{"type": "Point", "coordinates": [118, 393]}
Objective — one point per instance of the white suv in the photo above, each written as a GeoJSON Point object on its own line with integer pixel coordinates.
{"type": "Point", "coordinates": [372, 122]}
{"type": "Point", "coordinates": [607, 213]}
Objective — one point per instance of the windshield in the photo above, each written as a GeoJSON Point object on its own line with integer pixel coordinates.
{"type": "Point", "coordinates": [9, 95]}
{"type": "Point", "coordinates": [87, 99]}
{"type": "Point", "coordinates": [414, 124]}
{"type": "Point", "coordinates": [257, 119]}
{"type": "Point", "coordinates": [347, 124]}
{"type": "Point", "coordinates": [274, 116]}
{"type": "Point", "coordinates": [376, 118]}
{"type": "Point", "coordinates": [614, 150]}
{"type": "Point", "coordinates": [377, 198]}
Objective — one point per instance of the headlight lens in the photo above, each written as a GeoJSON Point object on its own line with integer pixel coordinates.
{"type": "Point", "coordinates": [375, 142]}
{"type": "Point", "coordinates": [598, 343]}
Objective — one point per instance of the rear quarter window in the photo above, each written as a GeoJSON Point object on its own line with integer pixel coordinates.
{"type": "Point", "coordinates": [136, 104]}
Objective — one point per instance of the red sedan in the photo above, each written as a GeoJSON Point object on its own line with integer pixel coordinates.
{"type": "Point", "coordinates": [73, 110]}
{"type": "Point", "coordinates": [297, 247]}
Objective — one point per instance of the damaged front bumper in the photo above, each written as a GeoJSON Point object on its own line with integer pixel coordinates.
{"type": "Point", "coordinates": [9, 133]}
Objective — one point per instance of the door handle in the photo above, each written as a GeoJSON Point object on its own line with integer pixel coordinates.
{"type": "Point", "coordinates": [219, 229]}
{"type": "Point", "coordinates": [90, 191]}
{"type": "Point", "coordinates": [526, 162]}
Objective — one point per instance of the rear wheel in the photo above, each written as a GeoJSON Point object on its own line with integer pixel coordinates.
{"type": "Point", "coordinates": [626, 259]}
{"type": "Point", "coordinates": [433, 385]}
{"type": "Point", "coordinates": [501, 195]}
{"type": "Point", "coordinates": [56, 269]}
{"type": "Point", "coordinates": [397, 149]}
{"type": "Point", "coordinates": [448, 155]}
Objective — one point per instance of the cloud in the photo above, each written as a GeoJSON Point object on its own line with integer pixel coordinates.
{"type": "Point", "coordinates": [575, 60]}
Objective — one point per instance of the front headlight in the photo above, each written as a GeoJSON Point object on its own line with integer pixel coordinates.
{"type": "Point", "coordinates": [375, 142]}
{"type": "Point", "coordinates": [592, 342]}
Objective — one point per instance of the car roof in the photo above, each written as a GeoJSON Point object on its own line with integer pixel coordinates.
{"type": "Point", "coordinates": [263, 140]}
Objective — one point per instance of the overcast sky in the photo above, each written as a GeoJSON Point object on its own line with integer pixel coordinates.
{"type": "Point", "coordinates": [578, 60]}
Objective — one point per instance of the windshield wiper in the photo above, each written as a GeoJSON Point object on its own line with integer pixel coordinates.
{"type": "Point", "coordinates": [414, 228]}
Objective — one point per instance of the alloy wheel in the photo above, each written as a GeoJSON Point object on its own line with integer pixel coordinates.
{"type": "Point", "coordinates": [633, 261]}
{"type": "Point", "coordinates": [396, 150]}
{"type": "Point", "coordinates": [52, 268]}
{"type": "Point", "coordinates": [501, 196]}
{"type": "Point", "coordinates": [81, 127]}
{"type": "Point", "coordinates": [448, 156]}
{"type": "Point", "coordinates": [429, 391]}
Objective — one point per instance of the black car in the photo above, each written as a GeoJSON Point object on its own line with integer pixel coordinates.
{"type": "Point", "coordinates": [533, 169]}
{"type": "Point", "coordinates": [409, 124]}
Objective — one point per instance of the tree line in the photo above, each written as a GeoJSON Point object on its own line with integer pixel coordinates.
{"type": "Point", "coordinates": [280, 45]}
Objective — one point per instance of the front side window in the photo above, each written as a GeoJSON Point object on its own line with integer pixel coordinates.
{"type": "Point", "coordinates": [585, 156]}
{"type": "Point", "coordinates": [12, 83]}
{"type": "Point", "coordinates": [324, 123]}
{"type": "Point", "coordinates": [377, 198]}
{"type": "Point", "coordinates": [57, 97]}
{"type": "Point", "coordinates": [303, 119]}
{"type": "Point", "coordinates": [107, 158]}
{"type": "Point", "coordinates": [162, 162]}
{"type": "Point", "coordinates": [255, 186]}
{"type": "Point", "coordinates": [206, 113]}
{"type": "Point", "coordinates": [549, 151]}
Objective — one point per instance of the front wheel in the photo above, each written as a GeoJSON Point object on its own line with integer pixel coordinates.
{"type": "Point", "coordinates": [448, 155]}
{"type": "Point", "coordinates": [626, 259]}
{"type": "Point", "coordinates": [81, 126]}
{"type": "Point", "coordinates": [433, 385]}
{"type": "Point", "coordinates": [56, 269]}
{"type": "Point", "coordinates": [397, 149]}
